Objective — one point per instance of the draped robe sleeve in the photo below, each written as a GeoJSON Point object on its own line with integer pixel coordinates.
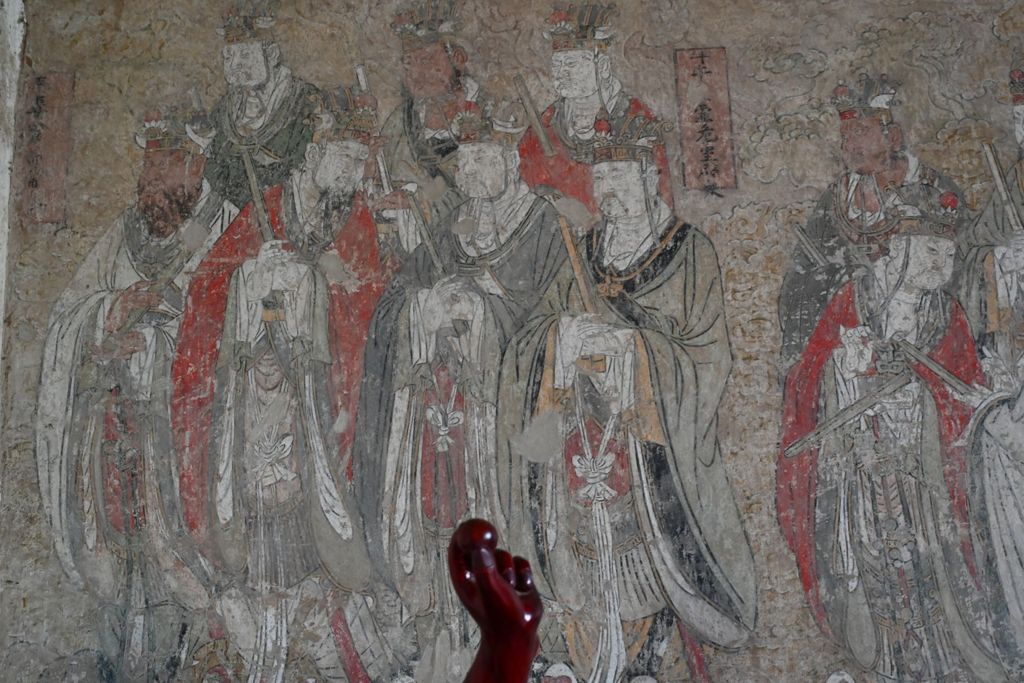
{"type": "Point", "coordinates": [530, 262]}
{"type": "Point", "coordinates": [685, 505]}
{"type": "Point", "coordinates": [796, 477]}
{"type": "Point", "coordinates": [193, 372]}
{"type": "Point", "coordinates": [76, 326]}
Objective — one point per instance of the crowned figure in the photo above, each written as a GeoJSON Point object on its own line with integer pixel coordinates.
{"type": "Point", "coordinates": [609, 464]}
{"type": "Point", "coordinates": [416, 184]}
{"type": "Point", "coordinates": [873, 478]}
{"type": "Point", "coordinates": [881, 185]}
{"type": "Point", "coordinates": [257, 133]}
{"type": "Point", "coordinates": [992, 291]}
{"type": "Point", "coordinates": [266, 382]}
{"type": "Point", "coordinates": [103, 422]}
{"type": "Point", "coordinates": [427, 431]}
{"type": "Point", "coordinates": [588, 92]}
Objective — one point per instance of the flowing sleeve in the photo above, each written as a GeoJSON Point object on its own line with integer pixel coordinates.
{"type": "Point", "coordinates": [796, 478]}
{"type": "Point", "coordinates": [75, 328]}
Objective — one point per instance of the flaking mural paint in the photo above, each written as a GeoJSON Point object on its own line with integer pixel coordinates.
{"type": "Point", "coordinates": [357, 295]}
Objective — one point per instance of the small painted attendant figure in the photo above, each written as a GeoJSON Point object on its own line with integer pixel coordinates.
{"type": "Point", "coordinates": [265, 387]}
{"type": "Point", "coordinates": [590, 96]}
{"type": "Point", "coordinates": [426, 437]}
{"type": "Point", "coordinates": [103, 424]}
{"type": "Point", "coordinates": [609, 464]}
{"type": "Point", "coordinates": [881, 185]}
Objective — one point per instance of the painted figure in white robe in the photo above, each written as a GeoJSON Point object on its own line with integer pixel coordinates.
{"type": "Point", "coordinates": [425, 445]}
{"type": "Point", "coordinates": [103, 437]}
{"type": "Point", "coordinates": [269, 357]}
{"type": "Point", "coordinates": [609, 463]}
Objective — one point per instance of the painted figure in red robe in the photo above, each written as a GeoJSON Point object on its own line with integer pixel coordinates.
{"type": "Point", "coordinates": [265, 387]}
{"type": "Point", "coordinates": [872, 490]}
{"type": "Point", "coordinates": [591, 101]}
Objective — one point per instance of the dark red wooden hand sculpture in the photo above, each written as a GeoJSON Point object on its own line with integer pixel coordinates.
{"type": "Point", "coordinates": [498, 591]}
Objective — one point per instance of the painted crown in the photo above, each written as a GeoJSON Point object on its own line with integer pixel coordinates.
{"type": "Point", "coordinates": [162, 131]}
{"type": "Point", "coordinates": [248, 21]}
{"type": "Point", "coordinates": [425, 23]}
{"type": "Point", "coordinates": [633, 140]}
{"type": "Point", "coordinates": [505, 125]}
{"type": "Point", "coordinates": [345, 114]}
{"type": "Point", "coordinates": [1017, 86]}
{"type": "Point", "coordinates": [580, 26]}
{"type": "Point", "coordinates": [871, 97]}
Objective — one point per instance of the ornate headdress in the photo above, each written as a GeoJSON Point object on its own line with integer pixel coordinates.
{"type": "Point", "coordinates": [248, 21]}
{"type": "Point", "coordinates": [163, 132]}
{"type": "Point", "coordinates": [505, 125]}
{"type": "Point", "coordinates": [345, 114]}
{"type": "Point", "coordinates": [580, 26]}
{"type": "Point", "coordinates": [634, 139]}
{"type": "Point", "coordinates": [1017, 86]}
{"type": "Point", "coordinates": [427, 22]}
{"type": "Point", "coordinates": [872, 97]}
{"type": "Point", "coordinates": [939, 216]}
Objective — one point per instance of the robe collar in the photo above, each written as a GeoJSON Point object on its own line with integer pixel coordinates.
{"type": "Point", "coordinates": [645, 272]}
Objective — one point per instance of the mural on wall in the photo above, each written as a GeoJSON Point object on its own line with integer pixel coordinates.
{"type": "Point", "coordinates": [896, 479]}
{"type": "Point", "coordinates": [322, 335]}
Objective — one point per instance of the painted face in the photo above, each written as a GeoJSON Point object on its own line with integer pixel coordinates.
{"type": "Point", "coordinates": [341, 167]}
{"type": "Point", "coordinates": [930, 265]}
{"type": "Point", "coordinates": [427, 72]}
{"type": "Point", "coordinates": [574, 72]}
{"type": "Point", "coordinates": [481, 172]}
{"type": "Point", "coordinates": [866, 148]}
{"type": "Point", "coordinates": [245, 64]}
{"type": "Point", "coordinates": [619, 189]}
{"type": "Point", "coordinates": [168, 188]}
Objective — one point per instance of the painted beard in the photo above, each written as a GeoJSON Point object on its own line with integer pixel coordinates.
{"type": "Point", "coordinates": [612, 207]}
{"type": "Point", "coordinates": [164, 212]}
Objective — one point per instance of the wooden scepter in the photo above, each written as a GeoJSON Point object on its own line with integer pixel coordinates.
{"type": "Point", "coordinates": [549, 150]}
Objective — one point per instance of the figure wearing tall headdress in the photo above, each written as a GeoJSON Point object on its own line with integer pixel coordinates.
{"type": "Point", "coordinates": [873, 478]}
{"type": "Point", "coordinates": [427, 431]}
{"type": "Point", "coordinates": [882, 184]}
{"type": "Point", "coordinates": [263, 121]}
{"type": "Point", "coordinates": [103, 422]}
{"type": "Point", "coordinates": [589, 93]}
{"type": "Point", "coordinates": [266, 381]}
{"type": "Point", "coordinates": [416, 183]}
{"type": "Point", "coordinates": [609, 465]}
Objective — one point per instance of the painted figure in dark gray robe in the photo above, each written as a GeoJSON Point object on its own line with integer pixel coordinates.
{"type": "Point", "coordinates": [883, 184]}
{"type": "Point", "coordinates": [266, 113]}
{"type": "Point", "coordinates": [426, 433]}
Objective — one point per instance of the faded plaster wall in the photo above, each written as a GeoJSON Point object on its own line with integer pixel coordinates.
{"type": "Point", "coordinates": [785, 57]}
